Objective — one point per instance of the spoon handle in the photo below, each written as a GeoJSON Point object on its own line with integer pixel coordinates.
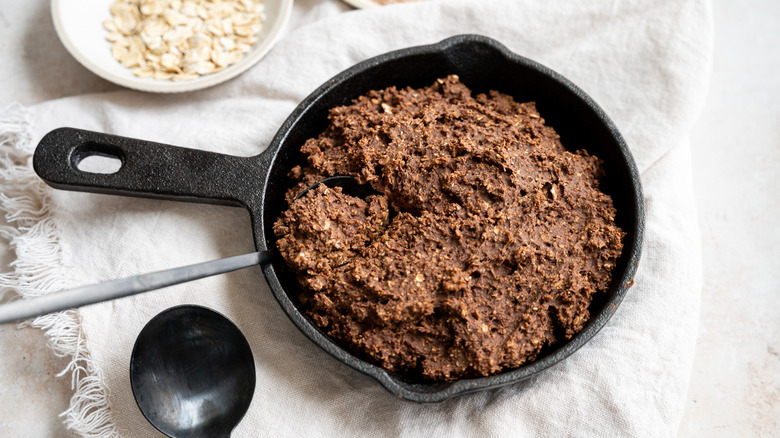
{"type": "Point", "coordinates": [109, 290]}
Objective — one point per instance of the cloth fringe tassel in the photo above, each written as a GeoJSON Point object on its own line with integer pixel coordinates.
{"type": "Point", "coordinates": [32, 235]}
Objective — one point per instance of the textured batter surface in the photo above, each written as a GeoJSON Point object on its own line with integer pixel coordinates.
{"type": "Point", "coordinates": [487, 242]}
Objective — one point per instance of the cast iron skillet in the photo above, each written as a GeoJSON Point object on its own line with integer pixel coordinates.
{"type": "Point", "coordinates": [258, 183]}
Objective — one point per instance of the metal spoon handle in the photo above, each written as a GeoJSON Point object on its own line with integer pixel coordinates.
{"type": "Point", "coordinates": [109, 290]}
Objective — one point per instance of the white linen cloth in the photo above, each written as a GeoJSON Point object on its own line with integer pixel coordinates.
{"type": "Point", "coordinates": [645, 62]}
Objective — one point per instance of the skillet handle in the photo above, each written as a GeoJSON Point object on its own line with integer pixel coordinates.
{"type": "Point", "coordinates": [148, 169]}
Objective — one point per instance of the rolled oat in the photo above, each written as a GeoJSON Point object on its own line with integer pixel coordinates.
{"type": "Point", "coordinates": [180, 40]}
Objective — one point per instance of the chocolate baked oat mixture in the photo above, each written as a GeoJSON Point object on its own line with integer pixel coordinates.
{"type": "Point", "coordinates": [487, 242]}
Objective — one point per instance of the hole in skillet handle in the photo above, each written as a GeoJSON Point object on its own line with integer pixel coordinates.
{"type": "Point", "coordinates": [97, 158]}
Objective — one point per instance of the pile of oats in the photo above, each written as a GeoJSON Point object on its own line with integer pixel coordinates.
{"type": "Point", "coordinates": [182, 39]}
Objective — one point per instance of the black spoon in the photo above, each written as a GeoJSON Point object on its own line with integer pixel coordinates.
{"type": "Point", "coordinates": [192, 373]}
{"type": "Point", "coordinates": [109, 290]}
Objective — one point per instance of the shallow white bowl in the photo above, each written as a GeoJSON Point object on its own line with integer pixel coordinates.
{"type": "Point", "coordinates": [79, 24]}
{"type": "Point", "coordinates": [363, 4]}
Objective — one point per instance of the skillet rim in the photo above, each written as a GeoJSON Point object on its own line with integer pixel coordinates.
{"type": "Point", "coordinates": [431, 392]}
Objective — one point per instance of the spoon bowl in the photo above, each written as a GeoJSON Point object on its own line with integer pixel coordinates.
{"type": "Point", "coordinates": [192, 373]}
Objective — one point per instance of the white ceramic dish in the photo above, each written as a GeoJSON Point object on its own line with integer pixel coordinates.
{"type": "Point", "coordinates": [79, 24]}
{"type": "Point", "coordinates": [364, 4]}
{"type": "Point", "coordinates": [361, 4]}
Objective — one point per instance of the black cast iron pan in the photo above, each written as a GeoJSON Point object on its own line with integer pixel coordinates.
{"type": "Point", "coordinates": [258, 183]}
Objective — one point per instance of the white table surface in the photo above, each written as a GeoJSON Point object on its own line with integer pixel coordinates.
{"type": "Point", "coordinates": [735, 382]}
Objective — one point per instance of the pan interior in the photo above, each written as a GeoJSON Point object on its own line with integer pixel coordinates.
{"type": "Point", "coordinates": [482, 65]}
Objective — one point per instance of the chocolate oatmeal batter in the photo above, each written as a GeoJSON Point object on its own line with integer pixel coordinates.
{"type": "Point", "coordinates": [487, 241]}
